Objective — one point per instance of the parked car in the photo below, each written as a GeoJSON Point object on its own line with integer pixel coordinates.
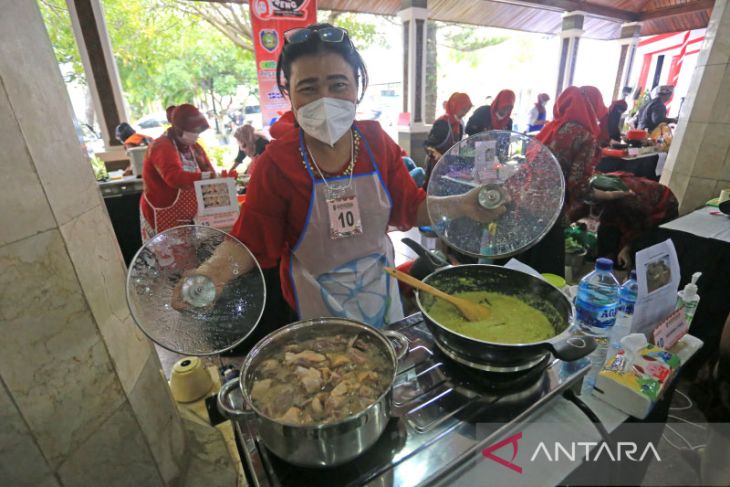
{"type": "Point", "coordinates": [252, 115]}
{"type": "Point", "coordinates": [153, 124]}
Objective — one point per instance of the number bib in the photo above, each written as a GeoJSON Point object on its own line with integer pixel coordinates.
{"type": "Point", "coordinates": [344, 215]}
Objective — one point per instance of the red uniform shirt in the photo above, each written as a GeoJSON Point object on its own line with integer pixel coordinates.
{"type": "Point", "coordinates": [163, 174]}
{"type": "Point", "coordinates": [277, 198]}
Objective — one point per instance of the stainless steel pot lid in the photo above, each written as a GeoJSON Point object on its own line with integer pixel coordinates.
{"type": "Point", "coordinates": [509, 168]}
{"type": "Point", "coordinates": [208, 326]}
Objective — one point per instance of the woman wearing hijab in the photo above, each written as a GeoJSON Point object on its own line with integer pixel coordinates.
{"type": "Point", "coordinates": [173, 162]}
{"type": "Point", "coordinates": [628, 217]}
{"type": "Point", "coordinates": [250, 144]}
{"type": "Point", "coordinates": [131, 138]}
{"type": "Point", "coordinates": [611, 122]}
{"type": "Point", "coordinates": [594, 97]}
{"type": "Point", "coordinates": [493, 117]}
{"type": "Point", "coordinates": [572, 136]}
{"type": "Point", "coordinates": [537, 117]}
{"type": "Point", "coordinates": [447, 130]}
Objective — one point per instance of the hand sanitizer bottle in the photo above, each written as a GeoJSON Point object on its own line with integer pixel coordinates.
{"type": "Point", "coordinates": [689, 299]}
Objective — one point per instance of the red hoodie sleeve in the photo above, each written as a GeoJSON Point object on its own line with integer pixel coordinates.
{"type": "Point", "coordinates": [166, 161]}
{"type": "Point", "coordinates": [262, 222]}
{"type": "Point", "coordinates": [405, 195]}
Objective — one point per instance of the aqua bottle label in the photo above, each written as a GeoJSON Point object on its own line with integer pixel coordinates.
{"type": "Point", "coordinates": [595, 316]}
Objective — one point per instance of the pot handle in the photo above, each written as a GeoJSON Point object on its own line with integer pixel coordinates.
{"type": "Point", "coordinates": [573, 348]}
{"type": "Point", "coordinates": [422, 251]}
{"type": "Point", "coordinates": [225, 405]}
{"type": "Point", "coordinates": [399, 341]}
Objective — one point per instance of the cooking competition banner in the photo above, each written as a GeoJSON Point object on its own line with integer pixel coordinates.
{"type": "Point", "coordinates": [269, 20]}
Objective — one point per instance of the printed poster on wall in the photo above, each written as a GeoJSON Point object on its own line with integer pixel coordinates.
{"type": "Point", "coordinates": [269, 20]}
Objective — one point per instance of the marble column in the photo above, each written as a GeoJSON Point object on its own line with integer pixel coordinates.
{"type": "Point", "coordinates": [570, 34]}
{"type": "Point", "coordinates": [629, 41]}
{"type": "Point", "coordinates": [82, 398]}
{"type": "Point", "coordinates": [698, 163]}
{"type": "Point", "coordinates": [414, 16]}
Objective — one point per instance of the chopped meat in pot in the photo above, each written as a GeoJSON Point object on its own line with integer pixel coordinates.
{"type": "Point", "coordinates": [321, 380]}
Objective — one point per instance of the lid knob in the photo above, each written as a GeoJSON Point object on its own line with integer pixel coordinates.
{"type": "Point", "coordinates": [491, 197]}
{"type": "Point", "coordinates": [198, 291]}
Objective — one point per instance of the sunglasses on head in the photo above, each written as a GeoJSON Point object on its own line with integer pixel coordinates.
{"type": "Point", "coordinates": [325, 34]}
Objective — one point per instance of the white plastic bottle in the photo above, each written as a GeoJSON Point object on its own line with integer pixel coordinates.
{"type": "Point", "coordinates": [689, 299]}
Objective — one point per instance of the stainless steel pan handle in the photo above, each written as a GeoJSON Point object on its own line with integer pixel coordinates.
{"type": "Point", "coordinates": [225, 403]}
{"type": "Point", "coordinates": [399, 341]}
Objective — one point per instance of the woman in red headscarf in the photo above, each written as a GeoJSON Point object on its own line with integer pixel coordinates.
{"type": "Point", "coordinates": [493, 117]}
{"type": "Point", "coordinates": [572, 136]}
{"type": "Point", "coordinates": [172, 164]}
{"type": "Point", "coordinates": [594, 97]}
{"type": "Point", "coordinates": [447, 130]}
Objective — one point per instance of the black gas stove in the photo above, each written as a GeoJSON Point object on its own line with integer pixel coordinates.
{"type": "Point", "coordinates": [444, 414]}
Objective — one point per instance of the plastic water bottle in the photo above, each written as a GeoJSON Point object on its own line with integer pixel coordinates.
{"type": "Point", "coordinates": [597, 299]}
{"type": "Point", "coordinates": [595, 307]}
{"type": "Point", "coordinates": [626, 300]}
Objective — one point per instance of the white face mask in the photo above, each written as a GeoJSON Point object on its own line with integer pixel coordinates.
{"type": "Point", "coordinates": [189, 138]}
{"type": "Point", "coordinates": [326, 119]}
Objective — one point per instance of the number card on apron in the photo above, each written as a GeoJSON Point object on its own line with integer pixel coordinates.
{"type": "Point", "coordinates": [344, 216]}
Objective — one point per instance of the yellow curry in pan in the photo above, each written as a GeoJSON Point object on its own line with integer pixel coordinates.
{"type": "Point", "coordinates": [512, 320]}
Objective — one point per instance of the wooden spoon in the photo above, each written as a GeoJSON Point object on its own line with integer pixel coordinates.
{"type": "Point", "coordinates": [470, 311]}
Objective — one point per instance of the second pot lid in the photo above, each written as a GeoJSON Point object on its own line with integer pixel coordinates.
{"type": "Point", "coordinates": [509, 169]}
{"type": "Point", "coordinates": [207, 325]}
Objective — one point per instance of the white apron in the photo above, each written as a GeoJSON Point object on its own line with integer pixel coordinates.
{"type": "Point", "coordinates": [344, 277]}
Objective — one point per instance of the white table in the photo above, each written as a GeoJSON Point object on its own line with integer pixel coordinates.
{"type": "Point", "coordinates": [705, 223]}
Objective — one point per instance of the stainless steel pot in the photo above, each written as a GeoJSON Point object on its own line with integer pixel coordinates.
{"type": "Point", "coordinates": [320, 445]}
{"type": "Point", "coordinates": [500, 357]}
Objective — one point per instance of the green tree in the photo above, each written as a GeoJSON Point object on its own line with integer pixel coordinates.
{"type": "Point", "coordinates": [233, 20]}
{"type": "Point", "coordinates": [462, 42]}
{"type": "Point", "coordinates": [465, 41]}
{"type": "Point", "coordinates": [162, 57]}
{"type": "Point", "coordinates": [175, 51]}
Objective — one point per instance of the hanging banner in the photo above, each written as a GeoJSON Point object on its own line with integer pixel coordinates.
{"type": "Point", "coordinates": [269, 20]}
